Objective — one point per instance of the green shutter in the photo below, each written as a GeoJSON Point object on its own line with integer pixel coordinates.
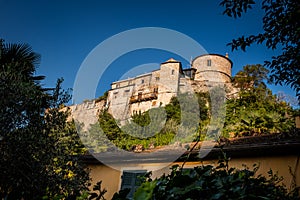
{"type": "Point", "coordinates": [131, 180]}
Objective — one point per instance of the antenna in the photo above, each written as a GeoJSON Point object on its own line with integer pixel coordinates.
{"type": "Point", "coordinates": [191, 61]}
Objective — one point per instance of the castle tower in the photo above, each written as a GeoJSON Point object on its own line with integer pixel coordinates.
{"type": "Point", "coordinates": [170, 72]}
{"type": "Point", "coordinates": [214, 68]}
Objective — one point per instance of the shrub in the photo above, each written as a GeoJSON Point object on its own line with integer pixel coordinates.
{"type": "Point", "coordinates": [209, 182]}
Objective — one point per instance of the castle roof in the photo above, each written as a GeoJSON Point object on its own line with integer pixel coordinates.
{"type": "Point", "coordinates": [214, 54]}
{"type": "Point", "coordinates": [171, 60]}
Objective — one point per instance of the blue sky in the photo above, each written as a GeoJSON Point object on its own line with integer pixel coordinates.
{"type": "Point", "coordinates": [65, 32]}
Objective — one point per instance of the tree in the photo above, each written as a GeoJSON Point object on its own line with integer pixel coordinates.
{"type": "Point", "coordinates": [256, 110]}
{"type": "Point", "coordinates": [109, 125]}
{"type": "Point", "coordinates": [38, 147]}
{"type": "Point", "coordinates": [252, 76]}
{"type": "Point", "coordinates": [280, 30]}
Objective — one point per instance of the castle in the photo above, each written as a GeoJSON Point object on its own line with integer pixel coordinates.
{"type": "Point", "coordinates": [156, 88]}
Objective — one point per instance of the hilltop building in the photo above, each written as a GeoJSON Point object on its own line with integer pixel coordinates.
{"type": "Point", "coordinates": [156, 88]}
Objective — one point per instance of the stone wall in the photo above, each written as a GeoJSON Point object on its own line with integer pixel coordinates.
{"type": "Point", "coordinates": [145, 91]}
{"type": "Point", "coordinates": [86, 113]}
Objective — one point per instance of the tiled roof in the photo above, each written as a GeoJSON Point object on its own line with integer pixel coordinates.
{"type": "Point", "coordinates": [266, 145]}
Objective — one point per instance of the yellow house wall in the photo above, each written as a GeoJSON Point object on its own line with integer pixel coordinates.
{"type": "Point", "coordinates": [111, 178]}
{"type": "Point", "coordinates": [278, 164]}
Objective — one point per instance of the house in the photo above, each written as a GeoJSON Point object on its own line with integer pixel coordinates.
{"type": "Point", "coordinates": [269, 152]}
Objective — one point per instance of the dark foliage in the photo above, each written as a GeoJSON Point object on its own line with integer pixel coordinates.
{"type": "Point", "coordinates": [209, 182]}
{"type": "Point", "coordinates": [281, 29]}
{"type": "Point", "coordinates": [38, 147]}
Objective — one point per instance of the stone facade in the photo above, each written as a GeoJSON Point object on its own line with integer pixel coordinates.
{"type": "Point", "coordinates": [213, 68]}
{"type": "Point", "coordinates": [86, 113]}
{"type": "Point", "coordinates": [156, 88]}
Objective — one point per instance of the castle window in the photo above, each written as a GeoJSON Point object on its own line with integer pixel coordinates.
{"type": "Point", "coordinates": [126, 92]}
{"type": "Point", "coordinates": [118, 85]}
{"type": "Point", "coordinates": [173, 71]}
{"type": "Point", "coordinates": [157, 78]}
{"type": "Point", "coordinates": [142, 81]}
{"type": "Point", "coordinates": [140, 94]}
{"type": "Point", "coordinates": [209, 62]}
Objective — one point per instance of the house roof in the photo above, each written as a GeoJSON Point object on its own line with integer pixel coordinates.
{"type": "Point", "coordinates": [259, 146]}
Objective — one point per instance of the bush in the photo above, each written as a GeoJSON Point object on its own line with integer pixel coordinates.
{"type": "Point", "coordinates": [209, 182]}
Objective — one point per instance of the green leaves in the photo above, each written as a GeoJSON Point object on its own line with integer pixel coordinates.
{"type": "Point", "coordinates": [209, 182]}
{"type": "Point", "coordinates": [157, 126]}
{"type": "Point", "coordinates": [281, 29]}
{"type": "Point", "coordinates": [256, 110]}
{"type": "Point", "coordinates": [145, 191]}
{"type": "Point", "coordinates": [37, 146]}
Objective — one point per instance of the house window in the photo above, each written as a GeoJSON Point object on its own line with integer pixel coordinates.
{"type": "Point", "coordinates": [118, 85]}
{"type": "Point", "coordinates": [173, 71]}
{"type": "Point", "coordinates": [132, 180]}
{"type": "Point", "coordinates": [142, 81]}
{"type": "Point", "coordinates": [155, 90]}
{"type": "Point", "coordinates": [208, 62]}
{"type": "Point", "coordinates": [157, 78]}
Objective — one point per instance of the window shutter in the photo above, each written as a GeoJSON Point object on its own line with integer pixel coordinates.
{"type": "Point", "coordinates": [131, 180]}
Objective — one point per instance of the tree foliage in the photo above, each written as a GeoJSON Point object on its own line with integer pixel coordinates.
{"type": "Point", "coordinates": [256, 110]}
{"type": "Point", "coordinates": [251, 76]}
{"type": "Point", "coordinates": [210, 182]}
{"type": "Point", "coordinates": [281, 29]}
{"type": "Point", "coordinates": [38, 147]}
{"type": "Point", "coordinates": [157, 126]}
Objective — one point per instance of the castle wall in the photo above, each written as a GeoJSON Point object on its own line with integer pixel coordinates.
{"type": "Point", "coordinates": [156, 88]}
{"type": "Point", "coordinates": [118, 100]}
{"type": "Point", "coordinates": [144, 92]}
{"type": "Point", "coordinates": [86, 113]}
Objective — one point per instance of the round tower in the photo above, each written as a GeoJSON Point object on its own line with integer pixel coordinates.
{"type": "Point", "coordinates": [213, 68]}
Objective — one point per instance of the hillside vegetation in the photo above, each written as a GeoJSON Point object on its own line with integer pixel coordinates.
{"type": "Point", "coordinates": [253, 111]}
